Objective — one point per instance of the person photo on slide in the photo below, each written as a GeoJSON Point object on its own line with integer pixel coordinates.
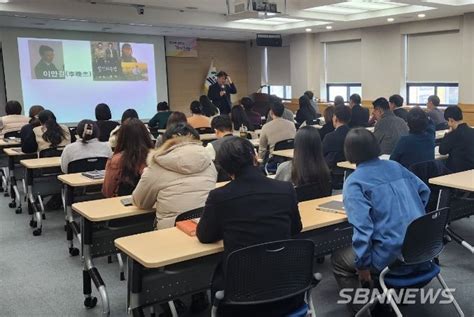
{"type": "Point", "coordinates": [45, 69]}
{"type": "Point", "coordinates": [127, 54]}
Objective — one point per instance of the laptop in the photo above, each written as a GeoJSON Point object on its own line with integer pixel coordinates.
{"type": "Point", "coordinates": [332, 206]}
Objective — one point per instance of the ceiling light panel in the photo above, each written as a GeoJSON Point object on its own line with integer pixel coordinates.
{"type": "Point", "coordinates": [451, 2]}
{"type": "Point", "coordinates": [356, 7]}
{"type": "Point", "coordinates": [270, 21]}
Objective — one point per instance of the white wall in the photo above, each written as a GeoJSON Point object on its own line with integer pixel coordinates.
{"type": "Point", "coordinates": [3, 93]}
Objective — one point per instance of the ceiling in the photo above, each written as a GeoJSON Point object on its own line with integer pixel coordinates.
{"type": "Point", "coordinates": [213, 19]}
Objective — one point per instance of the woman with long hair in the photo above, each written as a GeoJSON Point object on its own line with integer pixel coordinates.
{"type": "Point", "coordinates": [86, 146]}
{"type": "Point", "coordinates": [207, 107]}
{"type": "Point", "coordinates": [328, 126]}
{"type": "Point", "coordinates": [239, 118]}
{"type": "Point", "coordinates": [124, 168]}
{"type": "Point", "coordinates": [306, 112]}
{"type": "Point", "coordinates": [127, 114]}
{"type": "Point", "coordinates": [48, 135]}
{"type": "Point", "coordinates": [308, 165]}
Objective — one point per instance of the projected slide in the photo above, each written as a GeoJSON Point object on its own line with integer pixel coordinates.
{"type": "Point", "coordinates": [70, 77]}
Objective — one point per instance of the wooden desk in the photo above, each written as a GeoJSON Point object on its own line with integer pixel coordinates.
{"type": "Point", "coordinates": [39, 163]}
{"type": "Point", "coordinates": [284, 153]}
{"type": "Point", "coordinates": [9, 142]}
{"type": "Point", "coordinates": [142, 248]}
{"type": "Point", "coordinates": [14, 151]}
{"type": "Point", "coordinates": [79, 180]}
{"type": "Point", "coordinates": [462, 180]}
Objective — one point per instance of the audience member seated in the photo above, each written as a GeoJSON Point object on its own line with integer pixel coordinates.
{"type": "Point", "coordinates": [328, 127]}
{"type": "Point", "coordinates": [48, 135]}
{"type": "Point", "coordinates": [26, 132]}
{"type": "Point", "coordinates": [14, 120]}
{"type": "Point", "coordinates": [239, 119]}
{"type": "Point", "coordinates": [419, 145]}
{"type": "Point", "coordinates": [161, 117]}
{"type": "Point", "coordinates": [339, 101]}
{"type": "Point", "coordinates": [197, 119]}
{"type": "Point", "coordinates": [207, 107]}
{"type": "Point", "coordinates": [459, 142]}
{"type": "Point", "coordinates": [249, 210]}
{"type": "Point", "coordinates": [310, 95]}
{"type": "Point", "coordinates": [86, 146]}
{"type": "Point", "coordinates": [104, 122]}
{"type": "Point", "coordinates": [333, 144]}
{"type": "Point", "coordinates": [178, 178]}
{"type": "Point", "coordinates": [254, 117]}
{"type": "Point", "coordinates": [222, 126]}
{"type": "Point", "coordinates": [124, 168]}
{"type": "Point", "coordinates": [436, 114]}
{"type": "Point", "coordinates": [306, 113]}
{"type": "Point", "coordinates": [275, 131]}
{"type": "Point", "coordinates": [389, 128]}
{"type": "Point", "coordinates": [359, 114]}
{"type": "Point", "coordinates": [396, 105]}
{"type": "Point", "coordinates": [287, 113]}
{"type": "Point", "coordinates": [308, 165]}
{"type": "Point", "coordinates": [175, 118]}
{"type": "Point", "coordinates": [381, 198]}
{"type": "Point", "coordinates": [127, 114]}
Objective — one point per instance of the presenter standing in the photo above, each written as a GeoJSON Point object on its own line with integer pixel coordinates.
{"type": "Point", "coordinates": [220, 92]}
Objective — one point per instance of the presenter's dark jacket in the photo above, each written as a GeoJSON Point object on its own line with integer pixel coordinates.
{"type": "Point", "coordinates": [223, 103]}
{"type": "Point", "coordinates": [359, 117]}
{"type": "Point", "coordinates": [44, 71]}
{"type": "Point", "coordinates": [459, 144]}
{"type": "Point", "coordinates": [105, 127]}
{"type": "Point", "coordinates": [333, 146]}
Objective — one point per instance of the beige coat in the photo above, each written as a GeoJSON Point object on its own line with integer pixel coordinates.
{"type": "Point", "coordinates": [42, 144]}
{"type": "Point", "coordinates": [12, 123]}
{"type": "Point", "coordinates": [178, 178]}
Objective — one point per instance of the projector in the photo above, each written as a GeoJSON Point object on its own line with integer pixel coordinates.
{"type": "Point", "coordinates": [265, 6]}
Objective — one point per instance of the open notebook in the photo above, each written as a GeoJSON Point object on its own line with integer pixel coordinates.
{"type": "Point", "coordinates": [332, 206]}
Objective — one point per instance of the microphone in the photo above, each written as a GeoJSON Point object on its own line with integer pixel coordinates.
{"type": "Point", "coordinates": [223, 88]}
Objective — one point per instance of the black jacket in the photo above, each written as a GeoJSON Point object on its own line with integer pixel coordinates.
{"type": "Point", "coordinates": [333, 146]}
{"type": "Point", "coordinates": [28, 139]}
{"type": "Point", "coordinates": [251, 209]}
{"type": "Point", "coordinates": [359, 117]}
{"type": "Point", "coordinates": [326, 129]}
{"type": "Point", "coordinates": [306, 114]}
{"type": "Point", "coordinates": [223, 103]}
{"type": "Point", "coordinates": [459, 144]}
{"type": "Point", "coordinates": [105, 127]}
{"type": "Point", "coordinates": [401, 113]}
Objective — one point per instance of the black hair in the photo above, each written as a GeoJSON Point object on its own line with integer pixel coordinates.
{"type": "Point", "coordinates": [343, 114]}
{"type": "Point", "coordinates": [221, 74]}
{"type": "Point", "coordinates": [87, 130]}
{"type": "Point", "coordinates": [277, 108]}
{"type": "Point", "coordinates": [33, 114]}
{"type": "Point", "coordinates": [221, 123]}
{"type": "Point", "coordinates": [195, 107]}
{"type": "Point", "coordinates": [339, 101]}
{"type": "Point", "coordinates": [434, 100]}
{"type": "Point", "coordinates": [309, 93]}
{"type": "Point", "coordinates": [175, 118]}
{"type": "Point", "coordinates": [361, 146]}
{"type": "Point", "coordinates": [381, 103]}
{"type": "Point", "coordinates": [355, 98]}
{"type": "Point", "coordinates": [162, 106]}
{"type": "Point", "coordinates": [126, 45]}
{"type": "Point", "coordinates": [180, 129]}
{"type": "Point", "coordinates": [44, 48]}
{"type": "Point", "coordinates": [453, 112]}
{"type": "Point", "coordinates": [417, 120]}
{"type": "Point", "coordinates": [308, 165]}
{"type": "Point", "coordinates": [235, 154]}
{"type": "Point", "coordinates": [128, 114]}
{"type": "Point", "coordinates": [102, 112]}
{"type": "Point", "coordinates": [13, 107]}
{"type": "Point", "coordinates": [54, 133]}
{"type": "Point", "coordinates": [207, 107]}
{"type": "Point", "coordinates": [247, 103]}
{"type": "Point", "coordinates": [397, 100]}
{"type": "Point", "coordinates": [239, 118]}
{"type": "Point", "coordinates": [328, 114]}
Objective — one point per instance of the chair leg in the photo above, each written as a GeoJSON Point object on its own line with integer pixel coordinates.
{"type": "Point", "coordinates": [445, 287]}
{"type": "Point", "coordinates": [309, 301]}
{"type": "Point", "coordinates": [388, 292]}
{"type": "Point", "coordinates": [174, 312]}
{"type": "Point", "coordinates": [120, 261]}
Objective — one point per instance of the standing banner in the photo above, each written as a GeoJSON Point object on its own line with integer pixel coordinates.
{"type": "Point", "coordinates": [210, 78]}
{"type": "Point", "coordinates": [181, 47]}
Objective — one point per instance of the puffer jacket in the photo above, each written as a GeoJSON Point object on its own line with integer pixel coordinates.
{"type": "Point", "coordinates": [178, 178]}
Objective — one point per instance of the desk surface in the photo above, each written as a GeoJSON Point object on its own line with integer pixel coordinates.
{"type": "Point", "coordinates": [107, 209]}
{"type": "Point", "coordinates": [168, 246]}
{"type": "Point", "coordinates": [284, 153]}
{"type": "Point", "coordinates": [41, 162]}
{"type": "Point", "coordinates": [14, 151]}
{"type": "Point", "coordinates": [9, 142]}
{"type": "Point", "coordinates": [79, 180]}
{"type": "Point", "coordinates": [462, 180]}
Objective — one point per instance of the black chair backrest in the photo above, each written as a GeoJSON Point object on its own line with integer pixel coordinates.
{"type": "Point", "coordinates": [125, 189]}
{"type": "Point", "coordinates": [205, 130]}
{"type": "Point", "coordinates": [424, 237]}
{"type": "Point", "coordinates": [12, 134]}
{"type": "Point", "coordinates": [51, 152]}
{"type": "Point", "coordinates": [284, 145]}
{"type": "Point", "coordinates": [310, 191]}
{"type": "Point", "coordinates": [87, 164]}
{"type": "Point", "coordinates": [268, 272]}
{"type": "Point", "coordinates": [190, 214]}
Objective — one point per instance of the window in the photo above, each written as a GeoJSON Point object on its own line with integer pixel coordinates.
{"type": "Point", "coordinates": [418, 93]}
{"type": "Point", "coordinates": [283, 92]}
{"type": "Point", "coordinates": [344, 90]}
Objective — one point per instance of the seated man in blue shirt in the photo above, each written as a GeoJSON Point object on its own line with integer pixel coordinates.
{"type": "Point", "coordinates": [381, 199]}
